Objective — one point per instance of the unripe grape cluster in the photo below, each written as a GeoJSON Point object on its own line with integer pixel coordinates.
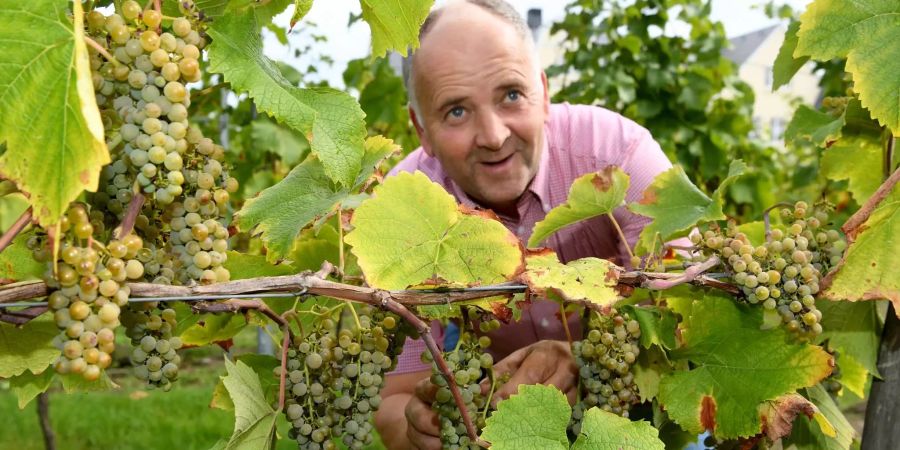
{"type": "Point", "coordinates": [88, 291]}
{"type": "Point", "coordinates": [334, 379]}
{"type": "Point", "coordinates": [782, 274]}
{"type": "Point", "coordinates": [605, 358]}
{"type": "Point", "coordinates": [150, 326]}
{"type": "Point", "coordinates": [470, 364]}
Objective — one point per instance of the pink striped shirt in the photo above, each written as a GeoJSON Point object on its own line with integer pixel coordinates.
{"type": "Point", "coordinates": [578, 139]}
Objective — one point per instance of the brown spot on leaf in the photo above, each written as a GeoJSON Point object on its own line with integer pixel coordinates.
{"type": "Point", "coordinates": [502, 312]}
{"type": "Point", "coordinates": [649, 197]}
{"type": "Point", "coordinates": [84, 176]}
{"type": "Point", "coordinates": [778, 416]}
{"type": "Point", "coordinates": [708, 413]}
{"type": "Point", "coordinates": [483, 213]}
{"type": "Point", "coordinates": [603, 180]}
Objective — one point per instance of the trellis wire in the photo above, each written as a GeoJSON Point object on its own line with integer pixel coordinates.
{"type": "Point", "coordinates": [280, 294]}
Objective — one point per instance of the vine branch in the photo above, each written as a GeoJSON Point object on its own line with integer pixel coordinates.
{"type": "Point", "coordinates": [851, 228]}
{"type": "Point", "coordinates": [687, 276]}
{"type": "Point", "coordinates": [16, 228]}
{"type": "Point", "coordinates": [134, 208]}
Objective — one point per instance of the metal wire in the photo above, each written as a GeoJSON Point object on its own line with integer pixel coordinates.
{"type": "Point", "coordinates": [180, 298]}
{"type": "Point", "coordinates": [443, 290]}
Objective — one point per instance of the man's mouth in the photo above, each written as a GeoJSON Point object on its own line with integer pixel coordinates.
{"type": "Point", "coordinates": [498, 162]}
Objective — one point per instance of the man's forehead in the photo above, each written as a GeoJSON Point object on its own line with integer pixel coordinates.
{"type": "Point", "coordinates": [467, 22]}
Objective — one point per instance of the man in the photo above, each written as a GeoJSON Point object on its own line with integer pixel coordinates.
{"type": "Point", "coordinates": [490, 136]}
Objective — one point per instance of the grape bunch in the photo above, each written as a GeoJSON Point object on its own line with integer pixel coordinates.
{"type": "Point", "coordinates": [88, 291]}
{"type": "Point", "coordinates": [470, 364]}
{"type": "Point", "coordinates": [150, 326]}
{"type": "Point", "coordinates": [334, 379]}
{"type": "Point", "coordinates": [783, 274]}
{"type": "Point", "coordinates": [836, 106]}
{"type": "Point", "coordinates": [604, 358]}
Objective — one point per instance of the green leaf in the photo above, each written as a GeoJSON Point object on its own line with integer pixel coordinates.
{"type": "Point", "coordinates": [736, 367]}
{"type": "Point", "coordinates": [330, 120]}
{"type": "Point", "coordinates": [652, 365]}
{"type": "Point", "coordinates": [301, 7]}
{"type": "Point", "coordinates": [860, 31]}
{"type": "Point", "coordinates": [868, 270]}
{"type": "Point", "coordinates": [280, 212]}
{"type": "Point", "coordinates": [786, 66]}
{"type": "Point", "coordinates": [412, 231]}
{"type": "Point", "coordinates": [807, 433]}
{"type": "Point", "coordinates": [17, 261]}
{"type": "Point", "coordinates": [263, 365]}
{"type": "Point", "coordinates": [814, 126]}
{"type": "Point", "coordinates": [657, 325]}
{"type": "Point", "coordinates": [395, 25]}
{"type": "Point", "coordinates": [854, 159]}
{"type": "Point", "coordinates": [535, 418]}
{"type": "Point", "coordinates": [284, 142]}
{"type": "Point", "coordinates": [853, 375]}
{"type": "Point", "coordinates": [209, 328]}
{"type": "Point", "coordinates": [676, 205]}
{"type": "Point", "coordinates": [853, 329]}
{"type": "Point", "coordinates": [244, 265]}
{"type": "Point", "coordinates": [590, 279]}
{"type": "Point", "coordinates": [254, 419]}
{"type": "Point", "coordinates": [12, 205]}
{"type": "Point", "coordinates": [591, 195]}
{"type": "Point", "coordinates": [29, 347]}
{"type": "Point", "coordinates": [27, 385]}
{"type": "Point", "coordinates": [76, 383]}
{"type": "Point", "coordinates": [603, 430]}
{"type": "Point", "coordinates": [55, 146]}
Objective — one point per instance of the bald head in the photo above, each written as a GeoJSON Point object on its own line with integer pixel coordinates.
{"type": "Point", "coordinates": [466, 22]}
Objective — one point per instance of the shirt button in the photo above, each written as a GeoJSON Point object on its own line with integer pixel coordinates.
{"type": "Point", "coordinates": [520, 230]}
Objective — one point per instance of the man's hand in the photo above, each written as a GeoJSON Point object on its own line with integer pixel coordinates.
{"type": "Point", "coordinates": [424, 429]}
{"type": "Point", "coordinates": [544, 362]}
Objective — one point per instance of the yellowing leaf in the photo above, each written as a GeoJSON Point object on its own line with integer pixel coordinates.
{"type": "Point", "coordinates": [591, 195]}
{"type": "Point", "coordinates": [827, 430]}
{"type": "Point", "coordinates": [735, 367]}
{"type": "Point", "coordinates": [864, 32]}
{"type": "Point", "coordinates": [855, 159]}
{"type": "Point", "coordinates": [535, 418]}
{"type": "Point", "coordinates": [589, 279]}
{"type": "Point", "coordinates": [601, 430]}
{"type": "Point", "coordinates": [868, 270]}
{"type": "Point", "coordinates": [395, 24]}
{"type": "Point", "coordinates": [412, 231]}
{"type": "Point", "coordinates": [51, 125]}
{"type": "Point", "coordinates": [17, 261]}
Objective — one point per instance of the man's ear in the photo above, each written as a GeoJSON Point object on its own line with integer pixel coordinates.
{"type": "Point", "coordinates": [420, 131]}
{"type": "Point", "coordinates": [546, 92]}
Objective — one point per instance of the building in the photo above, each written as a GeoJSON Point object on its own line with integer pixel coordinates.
{"type": "Point", "coordinates": [754, 53]}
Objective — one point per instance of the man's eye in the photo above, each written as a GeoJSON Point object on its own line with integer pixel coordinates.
{"type": "Point", "coordinates": [513, 95]}
{"type": "Point", "coordinates": [456, 112]}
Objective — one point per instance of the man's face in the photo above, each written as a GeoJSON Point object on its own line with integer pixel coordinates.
{"type": "Point", "coordinates": [482, 105]}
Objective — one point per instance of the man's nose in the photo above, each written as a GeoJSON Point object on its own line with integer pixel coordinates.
{"type": "Point", "coordinates": [492, 132]}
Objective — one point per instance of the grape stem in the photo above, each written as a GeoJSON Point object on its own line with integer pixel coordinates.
{"type": "Point", "coordinates": [15, 229]}
{"type": "Point", "coordinates": [239, 305]}
{"type": "Point", "coordinates": [766, 220]}
{"type": "Point", "coordinates": [285, 345]}
{"type": "Point", "coordinates": [134, 208]}
{"type": "Point", "coordinates": [621, 235]}
{"type": "Point", "coordinates": [102, 51]}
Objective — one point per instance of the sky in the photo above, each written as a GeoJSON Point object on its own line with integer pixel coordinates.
{"type": "Point", "coordinates": [343, 44]}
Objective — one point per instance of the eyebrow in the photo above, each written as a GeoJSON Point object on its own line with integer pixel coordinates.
{"type": "Point", "coordinates": [451, 101]}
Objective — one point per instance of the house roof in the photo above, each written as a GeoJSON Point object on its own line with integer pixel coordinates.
{"type": "Point", "coordinates": [744, 45]}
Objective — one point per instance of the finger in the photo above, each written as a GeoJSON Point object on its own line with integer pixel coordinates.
{"type": "Point", "coordinates": [425, 390]}
{"type": "Point", "coordinates": [533, 370]}
{"type": "Point", "coordinates": [512, 361]}
{"type": "Point", "coordinates": [565, 379]}
{"type": "Point", "coordinates": [423, 441]}
{"type": "Point", "coordinates": [422, 418]}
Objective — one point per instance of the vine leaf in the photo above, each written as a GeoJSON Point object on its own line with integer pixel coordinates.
{"type": "Point", "coordinates": [855, 159]}
{"type": "Point", "coordinates": [205, 329]}
{"type": "Point", "coordinates": [868, 270]}
{"type": "Point", "coordinates": [29, 347]}
{"type": "Point", "coordinates": [778, 415]}
{"type": "Point", "coordinates": [736, 367]}
{"type": "Point", "coordinates": [852, 328]}
{"type": "Point", "coordinates": [657, 325]}
{"type": "Point", "coordinates": [17, 261]}
{"type": "Point", "coordinates": [395, 25]}
{"type": "Point", "coordinates": [28, 385]}
{"type": "Point", "coordinates": [254, 419]}
{"type": "Point", "coordinates": [285, 142]}
{"type": "Point", "coordinates": [828, 430]}
{"type": "Point", "coordinates": [535, 418]}
{"type": "Point", "coordinates": [243, 265]}
{"type": "Point", "coordinates": [280, 212]}
{"type": "Point", "coordinates": [331, 120]}
{"type": "Point", "coordinates": [55, 146]}
{"type": "Point", "coordinates": [263, 365]}
{"type": "Point", "coordinates": [676, 205]}
{"type": "Point", "coordinates": [603, 430]}
{"type": "Point", "coordinates": [589, 279]}
{"type": "Point", "coordinates": [652, 365]}
{"type": "Point", "coordinates": [412, 230]}
{"type": "Point", "coordinates": [591, 195]}
{"type": "Point", "coordinates": [815, 126]}
{"type": "Point", "coordinates": [858, 31]}
{"type": "Point", "coordinates": [853, 375]}
{"type": "Point", "coordinates": [786, 66]}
